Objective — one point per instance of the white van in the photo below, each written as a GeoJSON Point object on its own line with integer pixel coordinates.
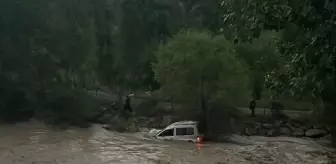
{"type": "Point", "coordinates": [181, 131]}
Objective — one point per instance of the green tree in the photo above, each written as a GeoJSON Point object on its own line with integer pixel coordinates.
{"type": "Point", "coordinates": [198, 68]}
{"type": "Point", "coordinates": [261, 55]}
{"type": "Point", "coordinates": [307, 45]}
{"type": "Point", "coordinates": [244, 24]}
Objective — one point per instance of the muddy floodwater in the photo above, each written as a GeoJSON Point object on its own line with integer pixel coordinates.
{"type": "Point", "coordinates": [35, 143]}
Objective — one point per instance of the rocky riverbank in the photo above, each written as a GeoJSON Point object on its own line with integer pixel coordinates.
{"type": "Point", "coordinates": [246, 126]}
{"type": "Point", "coordinates": [285, 128]}
{"type": "Point", "coordinates": [251, 128]}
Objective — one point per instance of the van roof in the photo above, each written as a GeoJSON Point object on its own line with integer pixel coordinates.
{"type": "Point", "coordinates": [181, 123]}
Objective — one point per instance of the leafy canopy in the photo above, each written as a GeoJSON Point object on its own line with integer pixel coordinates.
{"type": "Point", "coordinates": [194, 64]}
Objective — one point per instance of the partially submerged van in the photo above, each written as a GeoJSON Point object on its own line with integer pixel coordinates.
{"type": "Point", "coordinates": [181, 131]}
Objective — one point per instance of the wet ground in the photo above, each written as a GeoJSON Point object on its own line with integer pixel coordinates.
{"type": "Point", "coordinates": [35, 143]}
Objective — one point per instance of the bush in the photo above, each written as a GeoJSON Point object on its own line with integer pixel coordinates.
{"type": "Point", "coordinates": [147, 108]}
{"type": "Point", "coordinates": [121, 124]}
{"type": "Point", "coordinates": [15, 107]}
{"type": "Point", "coordinates": [73, 107]}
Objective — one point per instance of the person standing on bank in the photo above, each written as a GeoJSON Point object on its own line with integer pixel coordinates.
{"type": "Point", "coordinates": [252, 107]}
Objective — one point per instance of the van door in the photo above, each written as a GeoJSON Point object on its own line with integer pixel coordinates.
{"type": "Point", "coordinates": [167, 134]}
{"type": "Point", "coordinates": [185, 134]}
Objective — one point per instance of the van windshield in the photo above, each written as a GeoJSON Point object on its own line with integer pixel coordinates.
{"type": "Point", "coordinates": [168, 132]}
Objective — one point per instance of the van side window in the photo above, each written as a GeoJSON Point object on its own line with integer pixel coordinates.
{"type": "Point", "coordinates": [168, 132]}
{"type": "Point", "coordinates": [184, 131]}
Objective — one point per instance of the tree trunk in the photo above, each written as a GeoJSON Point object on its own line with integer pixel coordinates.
{"type": "Point", "coordinates": [204, 109]}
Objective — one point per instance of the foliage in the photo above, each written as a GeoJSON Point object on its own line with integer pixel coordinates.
{"type": "Point", "coordinates": [307, 45]}
{"type": "Point", "coordinates": [52, 52]}
{"type": "Point", "coordinates": [147, 108]}
{"type": "Point", "coordinates": [306, 41]}
{"type": "Point", "coordinates": [196, 66]}
{"type": "Point", "coordinates": [261, 55]}
{"type": "Point", "coordinates": [62, 105]}
{"type": "Point", "coordinates": [45, 48]}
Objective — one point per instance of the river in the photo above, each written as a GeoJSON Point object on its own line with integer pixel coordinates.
{"type": "Point", "coordinates": [36, 143]}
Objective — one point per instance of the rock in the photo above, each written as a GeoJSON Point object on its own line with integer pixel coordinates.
{"type": "Point", "coordinates": [298, 133]}
{"type": "Point", "coordinates": [277, 132]}
{"type": "Point", "coordinates": [327, 137]}
{"type": "Point", "coordinates": [277, 123]}
{"type": "Point", "coordinates": [252, 131]}
{"type": "Point", "coordinates": [313, 133]}
{"type": "Point", "coordinates": [307, 127]}
{"type": "Point", "coordinates": [290, 127]}
{"type": "Point", "coordinates": [319, 126]}
{"type": "Point", "coordinates": [246, 132]}
{"type": "Point", "coordinates": [270, 133]}
{"type": "Point", "coordinates": [267, 126]}
{"type": "Point", "coordinates": [263, 132]}
{"type": "Point", "coordinates": [285, 131]}
{"type": "Point", "coordinates": [295, 125]}
{"type": "Point", "coordinates": [258, 124]}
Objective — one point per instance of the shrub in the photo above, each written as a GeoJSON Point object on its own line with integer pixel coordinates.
{"type": "Point", "coordinates": [73, 107]}
{"type": "Point", "coordinates": [147, 108]}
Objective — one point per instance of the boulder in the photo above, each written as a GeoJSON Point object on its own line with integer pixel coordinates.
{"type": "Point", "coordinates": [290, 126]}
{"type": "Point", "coordinates": [319, 126]}
{"type": "Point", "coordinates": [270, 133]}
{"type": "Point", "coordinates": [298, 133]}
{"type": "Point", "coordinates": [295, 124]}
{"type": "Point", "coordinates": [313, 133]}
{"type": "Point", "coordinates": [267, 126]}
{"type": "Point", "coordinates": [252, 131]}
{"type": "Point", "coordinates": [285, 131]}
{"type": "Point", "coordinates": [263, 132]}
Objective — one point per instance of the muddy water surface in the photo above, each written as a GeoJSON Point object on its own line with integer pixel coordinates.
{"type": "Point", "coordinates": [35, 143]}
